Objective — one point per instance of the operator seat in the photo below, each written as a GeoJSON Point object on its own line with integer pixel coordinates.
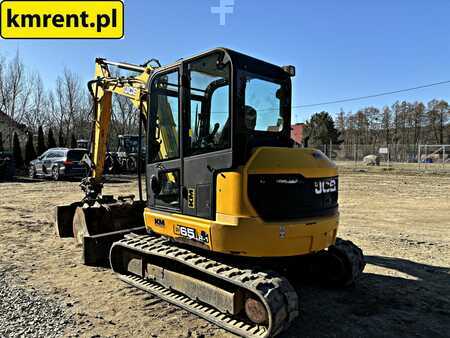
{"type": "Point", "coordinates": [250, 122]}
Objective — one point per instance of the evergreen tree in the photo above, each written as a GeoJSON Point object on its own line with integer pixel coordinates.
{"type": "Point", "coordinates": [17, 152]}
{"type": "Point", "coordinates": [30, 153]}
{"type": "Point", "coordinates": [1, 143]}
{"type": "Point", "coordinates": [51, 139]}
{"type": "Point", "coordinates": [320, 129]}
{"type": "Point", "coordinates": [61, 140]}
{"type": "Point", "coordinates": [41, 148]}
{"type": "Point", "coordinates": [73, 142]}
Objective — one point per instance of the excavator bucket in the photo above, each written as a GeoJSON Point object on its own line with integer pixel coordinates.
{"type": "Point", "coordinates": [96, 227]}
{"type": "Point", "coordinates": [64, 219]}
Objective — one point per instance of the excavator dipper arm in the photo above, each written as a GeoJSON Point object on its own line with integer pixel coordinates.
{"type": "Point", "coordinates": [98, 220]}
{"type": "Point", "coordinates": [102, 89]}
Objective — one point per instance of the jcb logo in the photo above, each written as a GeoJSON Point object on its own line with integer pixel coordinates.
{"type": "Point", "coordinates": [323, 187]}
{"type": "Point", "coordinates": [191, 198]}
{"type": "Point", "coordinates": [130, 91]}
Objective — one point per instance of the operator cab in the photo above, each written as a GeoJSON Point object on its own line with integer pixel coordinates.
{"type": "Point", "coordinates": [207, 114]}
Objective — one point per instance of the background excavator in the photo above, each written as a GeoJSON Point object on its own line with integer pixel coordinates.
{"type": "Point", "coordinates": [125, 157]}
{"type": "Point", "coordinates": [127, 153]}
{"type": "Point", "coordinates": [232, 213]}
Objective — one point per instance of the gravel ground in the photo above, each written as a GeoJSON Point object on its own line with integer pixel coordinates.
{"type": "Point", "coordinates": [27, 312]}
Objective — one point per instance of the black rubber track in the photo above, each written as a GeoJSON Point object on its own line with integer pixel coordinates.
{"type": "Point", "coordinates": [273, 290]}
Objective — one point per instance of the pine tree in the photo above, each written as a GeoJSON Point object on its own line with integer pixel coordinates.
{"type": "Point", "coordinates": [41, 148]}
{"type": "Point", "coordinates": [51, 139]}
{"type": "Point", "coordinates": [320, 129]}
{"type": "Point", "coordinates": [17, 152]}
{"type": "Point", "coordinates": [73, 142]}
{"type": "Point", "coordinates": [61, 140]}
{"type": "Point", "coordinates": [1, 143]}
{"type": "Point", "coordinates": [30, 153]}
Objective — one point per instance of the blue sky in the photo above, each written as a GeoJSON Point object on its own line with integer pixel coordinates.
{"type": "Point", "coordinates": [340, 48]}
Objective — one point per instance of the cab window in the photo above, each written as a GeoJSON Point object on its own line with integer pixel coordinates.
{"type": "Point", "coordinates": [210, 122]}
{"type": "Point", "coordinates": [263, 105]}
{"type": "Point", "coordinates": [165, 98]}
{"type": "Point", "coordinates": [169, 194]}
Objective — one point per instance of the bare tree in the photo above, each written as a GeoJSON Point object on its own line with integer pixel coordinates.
{"type": "Point", "coordinates": [417, 118]}
{"type": "Point", "coordinates": [438, 111]}
{"type": "Point", "coordinates": [14, 93]}
{"type": "Point", "coordinates": [36, 114]}
{"type": "Point", "coordinates": [68, 104]}
{"type": "Point", "coordinates": [125, 115]}
{"type": "Point", "coordinates": [3, 96]}
{"type": "Point", "coordinates": [386, 125]}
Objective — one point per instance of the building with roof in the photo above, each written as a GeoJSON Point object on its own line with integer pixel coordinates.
{"type": "Point", "coordinates": [297, 132]}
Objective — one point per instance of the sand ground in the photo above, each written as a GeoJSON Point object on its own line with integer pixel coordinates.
{"type": "Point", "coordinates": [401, 220]}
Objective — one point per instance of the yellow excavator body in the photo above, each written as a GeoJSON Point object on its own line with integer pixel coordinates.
{"type": "Point", "coordinates": [232, 209]}
{"type": "Point", "coordinates": [238, 229]}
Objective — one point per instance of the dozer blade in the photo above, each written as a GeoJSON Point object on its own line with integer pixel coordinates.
{"type": "Point", "coordinates": [97, 227]}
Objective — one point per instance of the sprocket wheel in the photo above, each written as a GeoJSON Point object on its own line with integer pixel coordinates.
{"type": "Point", "coordinates": [344, 263]}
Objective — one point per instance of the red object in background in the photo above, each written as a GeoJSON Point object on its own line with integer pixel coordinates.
{"type": "Point", "coordinates": [297, 132]}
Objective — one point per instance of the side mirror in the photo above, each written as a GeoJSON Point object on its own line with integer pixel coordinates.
{"type": "Point", "coordinates": [290, 70]}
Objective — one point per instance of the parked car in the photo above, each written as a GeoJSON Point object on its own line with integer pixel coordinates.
{"type": "Point", "coordinates": [59, 163]}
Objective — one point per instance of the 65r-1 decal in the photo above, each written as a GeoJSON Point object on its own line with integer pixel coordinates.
{"type": "Point", "coordinates": [192, 234]}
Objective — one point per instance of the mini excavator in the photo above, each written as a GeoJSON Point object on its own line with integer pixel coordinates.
{"type": "Point", "coordinates": [232, 213]}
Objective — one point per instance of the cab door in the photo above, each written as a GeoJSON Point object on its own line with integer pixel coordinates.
{"type": "Point", "coordinates": [208, 131]}
{"type": "Point", "coordinates": [164, 165]}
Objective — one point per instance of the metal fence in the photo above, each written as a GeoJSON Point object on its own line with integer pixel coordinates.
{"type": "Point", "coordinates": [414, 156]}
{"type": "Point", "coordinates": [406, 153]}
